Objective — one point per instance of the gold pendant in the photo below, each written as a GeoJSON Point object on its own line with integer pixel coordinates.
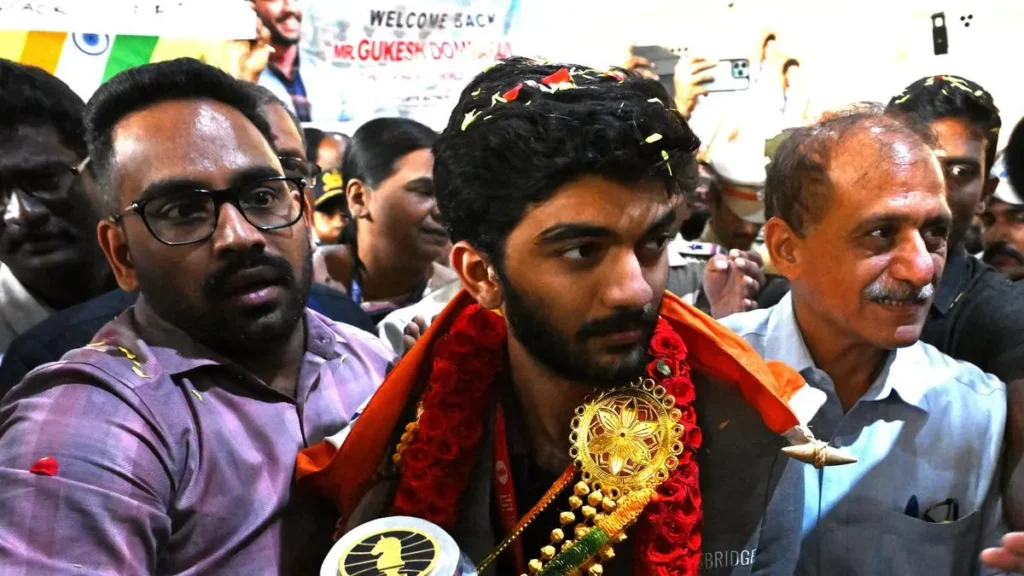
{"type": "Point", "coordinates": [627, 439]}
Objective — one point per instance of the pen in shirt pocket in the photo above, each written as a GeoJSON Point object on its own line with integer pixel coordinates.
{"type": "Point", "coordinates": [946, 511]}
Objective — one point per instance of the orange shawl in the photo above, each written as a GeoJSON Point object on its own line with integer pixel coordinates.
{"type": "Point", "coordinates": [344, 475]}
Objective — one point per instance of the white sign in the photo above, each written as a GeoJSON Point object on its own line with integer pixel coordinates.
{"type": "Point", "coordinates": [195, 19]}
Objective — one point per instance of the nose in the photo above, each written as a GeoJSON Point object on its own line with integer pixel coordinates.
{"type": "Point", "coordinates": [626, 286]}
{"type": "Point", "coordinates": [913, 262]}
{"type": "Point", "coordinates": [24, 210]}
{"type": "Point", "coordinates": [235, 234]}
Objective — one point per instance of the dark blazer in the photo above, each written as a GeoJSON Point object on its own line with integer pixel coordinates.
{"type": "Point", "coordinates": [74, 327]}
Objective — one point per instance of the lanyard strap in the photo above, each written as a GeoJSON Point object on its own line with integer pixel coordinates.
{"type": "Point", "coordinates": [504, 490]}
{"type": "Point", "coordinates": [506, 497]}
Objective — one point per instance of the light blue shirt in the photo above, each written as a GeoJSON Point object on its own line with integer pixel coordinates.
{"type": "Point", "coordinates": [929, 427]}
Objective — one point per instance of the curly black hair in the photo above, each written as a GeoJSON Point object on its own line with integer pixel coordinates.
{"type": "Point", "coordinates": [138, 88]}
{"type": "Point", "coordinates": [33, 96]}
{"type": "Point", "coordinates": [936, 97]}
{"type": "Point", "coordinates": [504, 151]}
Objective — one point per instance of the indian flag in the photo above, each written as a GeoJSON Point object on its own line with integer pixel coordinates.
{"type": "Point", "coordinates": [86, 60]}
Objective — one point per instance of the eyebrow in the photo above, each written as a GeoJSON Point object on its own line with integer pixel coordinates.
{"type": "Point", "coordinates": [171, 185]}
{"type": "Point", "coordinates": [960, 160]}
{"type": "Point", "coordinates": [565, 232]}
{"type": "Point", "coordinates": [423, 180]}
{"type": "Point", "coordinates": [898, 219]}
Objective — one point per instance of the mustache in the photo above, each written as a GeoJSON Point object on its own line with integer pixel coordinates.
{"type": "Point", "coordinates": [1002, 249]}
{"type": "Point", "coordinates": [213, 284]}
{"type": "Point", "coordinates": [624, 321]}
{"type": "Point", "coordinates": [902, 292]}
{"type": "Point", "coordinates": [286, 15]}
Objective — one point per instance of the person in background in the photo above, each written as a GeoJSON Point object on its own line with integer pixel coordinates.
{"type": "Point", "coordinates": [195, 402]}
{"type": "Point", "coordinates": [326, 149]}
{"type": "Point", "coordinates": [1003, 227]}
{"type": "Point", "coordinates": [283, 19]}
{"type": "Point", "coordinates": [386, 259]}
{"type": "Point", "coordinates": [735, 195]}
{"type": "Point", "coordinates": [74, 327]}
{"type": "Point", "coordinates": [49, 260]}
{"type": "Point", "coordinates": [966, 122]}
{"type": "Point", "coordinates": [330, 207]}
{"type": "Point", "coordinates": [859, 223]}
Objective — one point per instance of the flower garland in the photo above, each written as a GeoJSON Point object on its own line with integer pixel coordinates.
{"type": "Point", "coordinates": [437, 462]}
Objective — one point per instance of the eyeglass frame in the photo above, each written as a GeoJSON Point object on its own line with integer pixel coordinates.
{"type": "Point", "coordinates": [220, 197]}
{"type": "Point", "coordinates": [77, 170]}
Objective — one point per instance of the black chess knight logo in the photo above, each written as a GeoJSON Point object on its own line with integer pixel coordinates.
{"type": "Point", "coordinates": [391, 552]}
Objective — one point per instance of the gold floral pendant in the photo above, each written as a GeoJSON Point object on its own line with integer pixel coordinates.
{"type": "Point", "coordinates": [627, 439]}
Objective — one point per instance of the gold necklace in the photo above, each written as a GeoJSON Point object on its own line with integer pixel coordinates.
{"type": "Point", "coordinates": [624, 442]}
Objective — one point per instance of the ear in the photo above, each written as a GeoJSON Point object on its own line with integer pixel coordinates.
{"type": "Point", "coordinates": [479, 277]}
{"type": "Point", "coordinates": [785, 247]}
{"type": "Point", "coordinates": [115, 247]}
{"type": "Point", "coordinates": [358, 202]}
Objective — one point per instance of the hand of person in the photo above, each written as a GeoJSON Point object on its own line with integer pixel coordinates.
{"type": "Point", "coordinates": [413, 331]}
{"type": "Point", "coordinates": [254, 58]}
{"type": "Point", "coordinates": [1009, 556]}
{"type": "Point", "coordinates": [732, 281]}
{"type": "Point", "coordinates": [641, 65]}
{"type": "Point", "coordinates": [690, 77]}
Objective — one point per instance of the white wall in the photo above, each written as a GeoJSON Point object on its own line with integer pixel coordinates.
{"type": "Point", "coordinates": [851, 50]}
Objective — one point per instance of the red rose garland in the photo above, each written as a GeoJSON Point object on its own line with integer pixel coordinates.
{"type": "Point", "coordinates": [668, 533]}
{"type": "Point", "coordinates": [436, 464]}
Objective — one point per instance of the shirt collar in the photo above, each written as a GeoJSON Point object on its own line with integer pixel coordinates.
{"type": "Point", "coordinates": [953, 276]}
{"type": "Point", "coordinates": [176, 352]}
{"type": "Point", "coordinates": [20, 309]}
{"type": "Point", "coordinates": [900, 375]}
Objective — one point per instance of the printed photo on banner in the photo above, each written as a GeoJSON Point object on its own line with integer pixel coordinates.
{"type": "Point", "coordinates": [416, 56]}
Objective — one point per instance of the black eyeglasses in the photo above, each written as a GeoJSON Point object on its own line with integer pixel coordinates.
{"type": "Point", "coordinates": [49, 184]}
{"type": "Point", "coordinates": [297, 167]}
{"type": "Point", "coordinates": [190, 215]}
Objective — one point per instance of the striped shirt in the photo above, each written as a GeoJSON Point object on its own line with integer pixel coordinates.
{"type": "Point", "coordinates": [148, 453]}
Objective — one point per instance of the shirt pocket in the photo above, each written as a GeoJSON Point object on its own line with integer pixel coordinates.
{"type": "Point", "coordinates": [912, 546]}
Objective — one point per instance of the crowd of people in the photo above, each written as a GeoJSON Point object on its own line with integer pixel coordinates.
{"type": "Point", "coordinates": [227, 340]}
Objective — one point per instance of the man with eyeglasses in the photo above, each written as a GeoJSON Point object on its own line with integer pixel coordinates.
{"type": "Point", "coordinates": [168, 444]}
{"type": "Point", "coordinates": [48, 258]}
{"type": "Point", "coordinates": [74, 327]}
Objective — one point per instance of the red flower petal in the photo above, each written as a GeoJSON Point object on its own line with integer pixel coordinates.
{"type": "Point", "coordinates": [513, 93]}
{"type": "Point", "coordinates": [45, 466]}
{"type": "Point", "coordinates": [557, 78]}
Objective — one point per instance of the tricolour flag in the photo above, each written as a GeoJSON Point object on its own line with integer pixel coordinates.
{"type": "Point", "coordinates": [86, 60]}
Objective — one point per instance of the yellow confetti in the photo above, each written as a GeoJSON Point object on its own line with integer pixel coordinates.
{"type": "Point", "coordinates": [944, 92]}
{"type": "Point", "coordinates": [653, 138]}
{"type": "Point", "coordinates": [128, 353]}
{"type": "Point", "coordinates": [929, 81]}
{"type": "Point", "coordinates": [470, 117]}
{"type": "Point", "coordinates": [97, 344]}
{"type": "Point", "coordinates": [723, 424]}
{"type": "Point", "coordinates": [979, 92]}
{"type": "Point", "coordinates": [197, 394]}
{"type": "Point", "coordinates": [667, 165]}
{"type": "Point", "coordinates": [476, 92]}
{"type": "Point", "coordinates": [487, 117]}
{"type": "Point", "coordinates": [496, 98]}
{"type": "Point", "coordinates": [529, 102]}
{"type": "Point", "coordinates": [656, 101]}
{"type": "Point", "coordinates": [904, 99]}
{"type": "Point", "coordinates": [138, 370]}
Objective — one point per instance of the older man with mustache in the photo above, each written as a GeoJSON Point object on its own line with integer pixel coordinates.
{"type": "Point", "coordinates": [1003, 226]}
{"type": "Point", "coordinates": [858, 223]}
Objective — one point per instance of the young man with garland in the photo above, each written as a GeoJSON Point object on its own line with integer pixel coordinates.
{"type": "Point", "coordinates": [563, 403]}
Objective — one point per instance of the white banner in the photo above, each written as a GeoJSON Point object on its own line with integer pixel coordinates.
{"type": "Point", "coordinates": [194, 19]}
{"type": "Point", "coordinates": [373, 58]}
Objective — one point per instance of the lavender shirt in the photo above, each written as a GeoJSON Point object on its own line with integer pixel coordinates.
{"type": "Point", "coordinates": [171, 459]}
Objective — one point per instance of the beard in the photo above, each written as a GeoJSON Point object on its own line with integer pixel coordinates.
{"type": "Point", "coordinates": [227, 331]}
{"type": "Point", "coordinates": [568, 356]}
